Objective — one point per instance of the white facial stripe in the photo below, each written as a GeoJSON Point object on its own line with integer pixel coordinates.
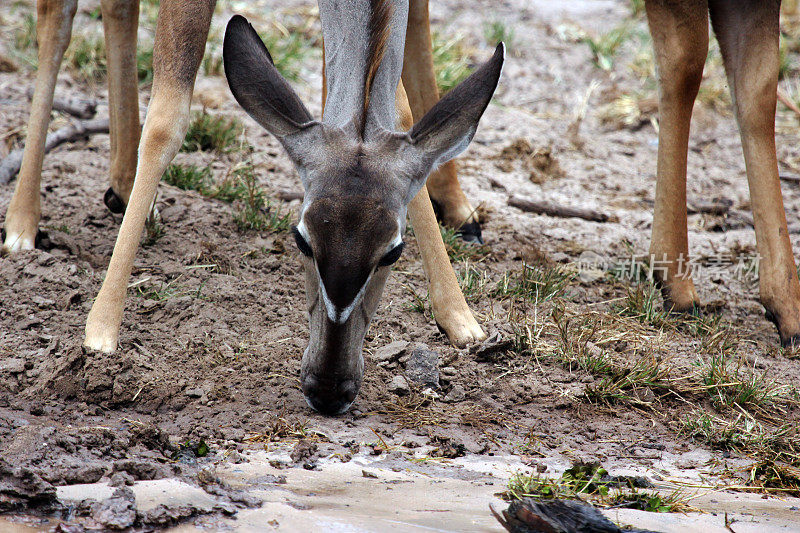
{"type": "Point", "coordinates": [301, 228]}
{"type": "Point", "coordinates": [335, 315]}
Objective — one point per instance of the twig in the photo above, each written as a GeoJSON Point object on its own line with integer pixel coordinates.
{"type": "Point", "coordinates": [715, 207]}
{"type": "Point", "coordinates": [288, 196]}
{"type": "Point", "coordinates": [785, 100]}
{"type": "Point", "coordinates": [545, 208]}
{"type": "Point", "coordinates": [73, 106]}
{"type": "Point", "coordinates": [10, 165]}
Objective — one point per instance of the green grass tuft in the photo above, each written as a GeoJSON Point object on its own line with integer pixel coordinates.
{"type": "Point", "coordinates": [605, 47]}
{"type": "Point", "coordinates": [496, 31]}
{"type": "Point", "coordinates": [538, 283]}
{"type": "Point", "coordinates": [450, 61]}
{"type": "Point", "coordinates": [212, 132]}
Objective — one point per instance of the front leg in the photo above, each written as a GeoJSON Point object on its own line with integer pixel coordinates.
{"type": "Point", "coordinates": [53, 31]}
{"type": "Point", "coordinates": [449, 306]}
{"type": "Point", "coordinates": [180, 40]}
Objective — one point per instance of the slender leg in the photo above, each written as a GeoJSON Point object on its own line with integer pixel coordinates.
{"type": "Point", "coordinates": [420, 84]}
{"type": "Point", "coordinates": [181, 35]}
{"type": "Point", "coordinates": [449, 307]}
{"type": "Point", "coordinates": [747, 31]}
{"type": "Point", "coordinates": [53, 32]}
{"type": "Point", "coordinates": [120, 21]}
{"type": "Point", "coordinates": [680, 38]}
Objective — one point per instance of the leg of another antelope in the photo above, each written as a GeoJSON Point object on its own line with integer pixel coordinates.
{"type": "Point", "coordinates": [747, 31]}
{"type": "Point", "coordinates": [53, 31]}
{"type": "Point", "coordinates": [120, 21]}
{"type": "Point", "coordinates": [449, 307]}
{"type": "Point", "coordinates": [181, 35]}
{"type": "Point", "coordinates": [680, 38]}
{"type": "Point", "coordinates": [419, 81]}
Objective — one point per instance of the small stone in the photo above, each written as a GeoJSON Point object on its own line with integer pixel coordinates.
{"type": "Point", "coordinates": [120, 479]}
{"type": "Point", "coordinates": [367, 473]}
{"type": "Point", "coordinates": [391, 351]}
{"type": "Point", "coordinates": [399, 386]}
{"type": "Point", "coordinates": [13, 365]}
{"type": "Point", "coordinates": [456, 394]}
{"type": "Point", "coordinates": [195, 393]}
{"type": "Point", "coordinates": [117, 512]}
{"type": "Point", "coordinates": [423, 367]}
{"type": "Point", "coordinates": [237, 458]}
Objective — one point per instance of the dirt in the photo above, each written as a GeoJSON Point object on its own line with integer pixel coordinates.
{"type": "Point", "coordinates": [215, 324]}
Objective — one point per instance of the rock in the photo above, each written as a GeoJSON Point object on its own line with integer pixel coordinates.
{"type": "Point", "coordinates": [489, 349]}
{"type": "Point", "coordinates": [423, 367]}
{"type": "Point", "coordinates": [237, 458]}
{"type": "Point", "coordinates": [456, 394]}
{"type": "Point", "coordinates": [23, 489]}
{"type": "Point", "coordinates": [391, 351]}
{"type": "Point", "coordinates": [13, 365]}
{"type": "Point", "coordinates": [141, 469]}
{"type": "Point", "coordinates": [195, 393]}
{"type": "Point", "coordinates": [118, 511]}
{"type": "Point", "coordinates": [303, 450]}
{"type": "Point", "coordinates": [87, 473]}
{"type": "Point", "coordinates": [399, 386]}
{"type": "Point", "coordinates": [120, 479]}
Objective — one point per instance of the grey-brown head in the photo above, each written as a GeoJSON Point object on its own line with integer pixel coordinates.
{"type": "Point", "coordinates": [358, 172]}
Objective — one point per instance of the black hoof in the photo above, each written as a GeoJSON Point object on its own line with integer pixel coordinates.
{"type": "Point", "coordinates": [470, 232]}
{"type": "Point", "coordinates": [113, 202]}
{"type": "Point", "coordinates": [790, 342]}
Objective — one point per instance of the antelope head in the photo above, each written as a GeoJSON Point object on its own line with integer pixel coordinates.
{"type": "Point", "coordinates": [359, 173]}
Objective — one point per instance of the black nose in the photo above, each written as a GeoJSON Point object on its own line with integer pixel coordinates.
{"type": "Point", "coordinates": [329, 397]}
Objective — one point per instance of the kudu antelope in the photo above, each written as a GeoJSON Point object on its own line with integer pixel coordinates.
{"type": "Point", "coordinates": [361, 170]}
{"type": "Point", "coordinates": [747, 31]}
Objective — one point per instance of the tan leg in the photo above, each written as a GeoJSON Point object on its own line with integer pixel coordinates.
{"type": "Point", "coordinates": [53, 32]}
{"type": "Point", "coordinates": [419, 81]}
{"type": "Point", "coordinates": [680, 38]}
{"type": "Point", "coordinates": [748, 35]}
{"type": "Point", "coordinates": [120, 22]}
{"type": "Point", "coordinates": [449, 307]}
{"type": "Point", "coordinates": [180, 40]}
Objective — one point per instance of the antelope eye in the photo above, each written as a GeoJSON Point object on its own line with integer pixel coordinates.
{"type": "Point", "coordinates": [392, 256]}
{"type": "Point", "coordinates": [302, 245]}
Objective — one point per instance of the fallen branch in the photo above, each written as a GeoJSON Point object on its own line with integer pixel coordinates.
{"type": "Point", "coordinates": [551, 516]}
{"type": "Point", "coordinates": [73, 106]}
{"type": "Point", "coordinates": [545, 208]}
{"type": "Point", "coordinates": [288, 196]}
{"type": "Point", "coordinates": [9, 166]}
{"type": "Point", "coordinates": [785, 100]}
{"type": "Point", "coordinates": [718, 206]}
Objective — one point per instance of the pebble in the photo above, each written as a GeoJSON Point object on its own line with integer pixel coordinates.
{"type": "Point", "coordinates": [399, 386]}
{"type": "Point", "coordinates": [391, 351]}
{"type": "Point", "coordinates": [456, 394]}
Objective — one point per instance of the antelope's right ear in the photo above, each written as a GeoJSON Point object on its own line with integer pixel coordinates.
{"type": "Point", "coordinates": [261, 90]}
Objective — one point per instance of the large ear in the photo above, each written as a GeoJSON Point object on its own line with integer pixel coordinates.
{"type": "Point", "coordinates": [447, 129]}
{"type": "Point", "coordinates": [258, 86]}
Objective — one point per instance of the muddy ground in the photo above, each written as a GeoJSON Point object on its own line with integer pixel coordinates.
{"type": "Point", "coordinates": [214, 326]}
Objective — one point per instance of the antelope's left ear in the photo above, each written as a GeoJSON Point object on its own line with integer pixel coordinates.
{"type": "Point", "coordinates": [265, 94]}
{"type": "Point", "coordinates": [447, 129]}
